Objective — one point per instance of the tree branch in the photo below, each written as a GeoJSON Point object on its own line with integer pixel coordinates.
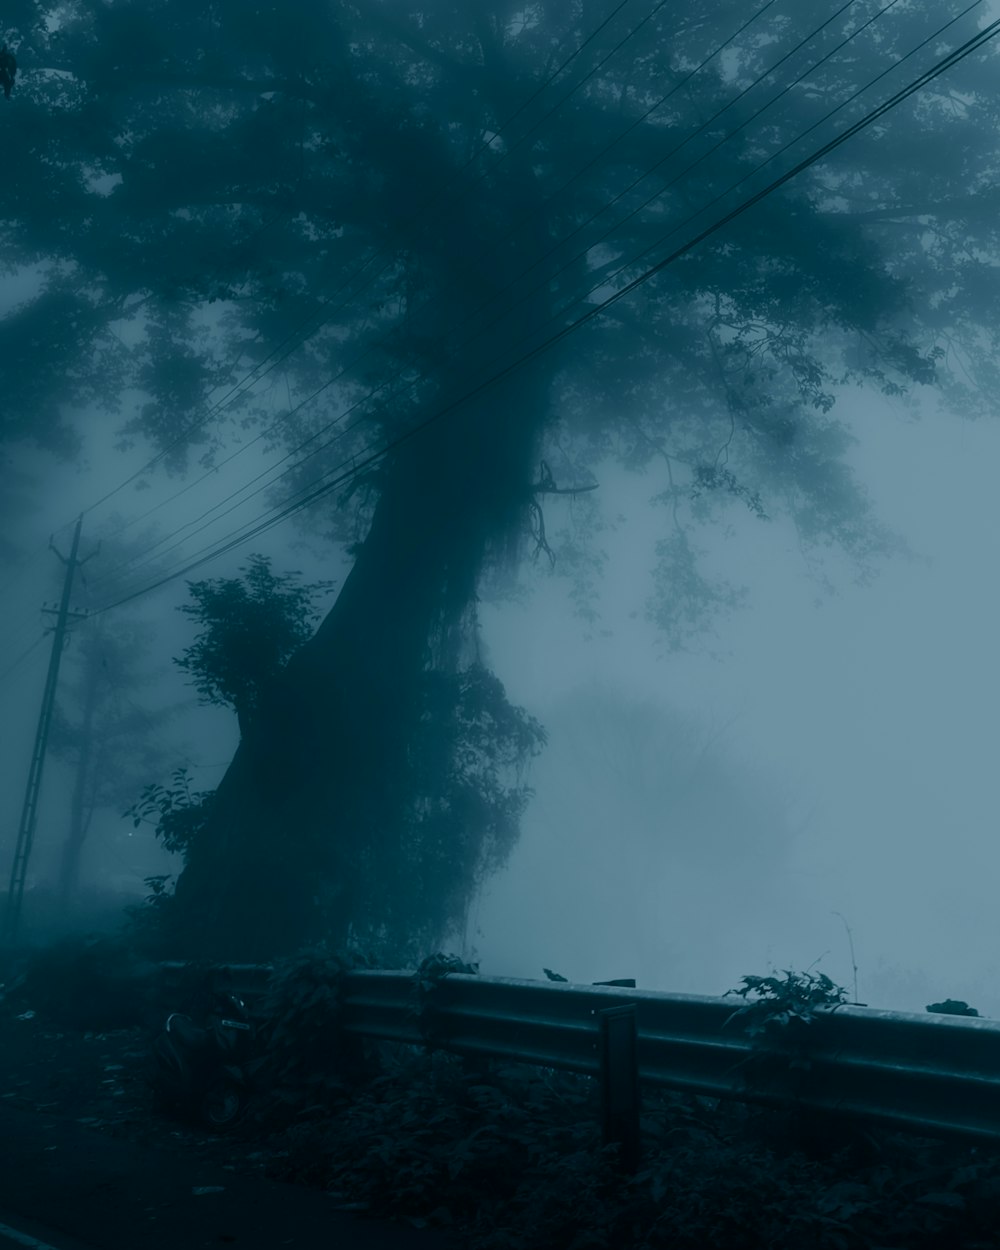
{"type": "Point", "coordinates": [546, 485]}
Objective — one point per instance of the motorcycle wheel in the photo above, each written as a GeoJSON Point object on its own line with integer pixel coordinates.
{"type": "Point", "coordinates": [223, 1105]}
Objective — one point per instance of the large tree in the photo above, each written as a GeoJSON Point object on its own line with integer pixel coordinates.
{"type": "Point", "coordinates": [397, 203]}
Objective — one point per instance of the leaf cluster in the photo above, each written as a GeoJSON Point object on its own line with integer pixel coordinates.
{"type": "Point", "coordinates": [779, 1002]}
{"type": "Point", "coordinates": [307, 1051]}
{"type": "Point", "coordinates": [427, 980]}
{"type": "Point", "coordinates": [434, 968]}
{"type": "Point", "coordinates": [250, 626]}
{"type": "Point", "coordinates": [177, 812]}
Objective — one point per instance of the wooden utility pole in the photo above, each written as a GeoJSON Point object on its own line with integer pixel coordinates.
{"type": "Point", "coordinates": [29, 811]}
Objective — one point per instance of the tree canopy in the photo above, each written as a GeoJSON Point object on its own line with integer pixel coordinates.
{"type": "Point", "coordinates": [376, 189]}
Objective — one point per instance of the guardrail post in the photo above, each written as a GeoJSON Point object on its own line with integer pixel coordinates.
{"type": "Point", "coordinates": [620, 1082]}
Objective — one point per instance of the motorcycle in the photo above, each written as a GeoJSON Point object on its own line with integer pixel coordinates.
{"type": "Point", "coordinates": [206, 1072]}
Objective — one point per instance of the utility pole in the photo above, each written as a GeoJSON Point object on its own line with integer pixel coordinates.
{"type": "Point", "coordinates": [29, 811]}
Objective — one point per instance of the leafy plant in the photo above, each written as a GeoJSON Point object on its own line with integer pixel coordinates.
{"type": "Point", "coordinates": [427, 981]}
{"type": "Point", "coordinates": [250, 626]}
{"type": "Point", "coordinates": [435, 968]}
{"type": "Point", "coordinates": [177, 812]}
{"type": "Point", "coordinates": [780, 1002]}
{"type": "Point", "coordinates": [515, 1160]}
{"type": "Point", "coordinates": [307, 1048]}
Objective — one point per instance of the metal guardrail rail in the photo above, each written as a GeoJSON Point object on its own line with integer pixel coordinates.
{"type": "Point", "coordinates": [931, 1074]}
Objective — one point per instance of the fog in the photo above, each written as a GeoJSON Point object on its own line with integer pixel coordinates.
{"type": "Point", "coordinates": [871, 712]}
{"type": "Point", "coordinates": [809, 784]}
{"type": "Point", "coordinates": [859, 720]}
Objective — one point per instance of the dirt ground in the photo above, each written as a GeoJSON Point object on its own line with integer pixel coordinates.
{"type": "Point", "coordinates": [98, 1080]}
{"type": "Point", "coordinates": [82, 1149]}
{"type": "Point", "coordinates": [484, 1160]}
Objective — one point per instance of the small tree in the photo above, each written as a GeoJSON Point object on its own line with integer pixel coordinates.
{"type": "Point", "coordinates": [251, 626]}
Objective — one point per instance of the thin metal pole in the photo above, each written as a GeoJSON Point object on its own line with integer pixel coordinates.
{"type": "Point", "coordinates": [29, 810]}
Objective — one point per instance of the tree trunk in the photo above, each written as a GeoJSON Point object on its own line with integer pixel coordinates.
{"type": "Point", "coordinates": [303, 841]}
{"type": "Point", "coordinates": [304, 837]}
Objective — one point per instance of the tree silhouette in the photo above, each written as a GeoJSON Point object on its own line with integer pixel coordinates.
{"type": "Point", "coordinates": [411, 214]}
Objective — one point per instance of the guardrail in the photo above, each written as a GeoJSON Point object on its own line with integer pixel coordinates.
{"type": "Point", "coordinates": [930, 1074]}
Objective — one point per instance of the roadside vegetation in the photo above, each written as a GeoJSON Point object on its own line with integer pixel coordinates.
{"type": "Point", "coordinates": [509, 1156]}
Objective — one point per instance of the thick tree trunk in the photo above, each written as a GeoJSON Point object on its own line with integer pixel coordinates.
{"type": "Point", "coordinates": [303, 840]}
{"type": "Point", "coordinates": [304, 837]}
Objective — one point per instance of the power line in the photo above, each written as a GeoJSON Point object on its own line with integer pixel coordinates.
{"type": "Point", "coordinates": [702, 157]}
{"type": "Point", "coordinates": [25, 624]}
{"type": "Point", "coordinates": [959, 54]}
{"type": "Point", "coordinates": [867, 120]}
{"type": "Point", "coordinates": [22, 657]}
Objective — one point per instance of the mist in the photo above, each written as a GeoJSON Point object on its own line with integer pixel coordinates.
{"type": "Point", "coordinates": [498, 500]}
{"type": "Point", "coordinates": [866, 714]}
{"type": "Point", "coordinates": [856, 721]}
